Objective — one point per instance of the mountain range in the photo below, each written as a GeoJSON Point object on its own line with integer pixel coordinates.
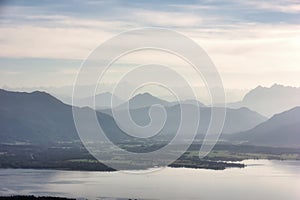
{"type": "Point", "coordinates": [236, 120]}
{"type": "Point", "coordinates": [265, 100]}
{"type": "Point", "coordinates": [144, 100]}
{"type": "Point", "coordinates": [270, 100]}
{"type": "Point", "coordinates": [281, 130]}
{"type": "Point", "coordinates": [38, 117]}
{"type": "Point", "coordinates": [35, 116]}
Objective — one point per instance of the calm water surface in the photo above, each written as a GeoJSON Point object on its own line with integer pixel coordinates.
{"type": "Point", "coordinates": [261, 179]}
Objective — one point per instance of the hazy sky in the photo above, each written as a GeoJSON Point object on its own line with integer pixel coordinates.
{"type": "Point", "coordinates": [251, 42]}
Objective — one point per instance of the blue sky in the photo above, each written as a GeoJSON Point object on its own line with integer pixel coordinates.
{"type": "Point", "coordinates": [251, 42]}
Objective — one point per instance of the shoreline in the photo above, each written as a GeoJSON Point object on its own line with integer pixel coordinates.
{"type": "Point", "coordinates": [33, 197]}
{"type": "Point", "coordinates": [76, 158]}
{"type": "Point", "coordinates": [169, 166]}
{"type": "Point", "coordinates": [209, 165]}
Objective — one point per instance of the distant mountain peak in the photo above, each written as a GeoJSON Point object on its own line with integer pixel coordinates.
{"type": "Point", "coordinates": [274, 86]}
{"type": "Point", "coordinates": [258, 87]}
{"type": "Point", "coordinates": [37, 92]}
{"type": "Point", "coordinates": [145, 94]}
{"type": "Point", "coordinates": [270, 100]}
{"type": "Point", "coordinates": [143, 100]}
{"type": "Point", "coordinates": [244, 109]}
{"type": "Point", "coordinates": [40, 93]}
{"type": "Point", "coordinates": [40, 97]}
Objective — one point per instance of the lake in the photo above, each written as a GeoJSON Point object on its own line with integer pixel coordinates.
{"type": "Point", "coordinates": [261, 179]}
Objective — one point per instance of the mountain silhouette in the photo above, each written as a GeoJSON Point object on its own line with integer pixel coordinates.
{"type": "Point", "coordinates": [282, 130]}
{"type": "Point", "coordinates": [38, 117]}
{"type": "Point", "coordinates": [270, 101]}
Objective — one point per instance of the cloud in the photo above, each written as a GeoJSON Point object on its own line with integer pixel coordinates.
{"type": "Point", "coordinates": [167, 19]}
{"type": "Point", "coordinates": [234, 33]}
{"type": "Point", "coordinates": [244, 47]}
{"type": "Point", "coordinates": [287, 6]}
{"type": "Point", "coordinates": [44, 42]}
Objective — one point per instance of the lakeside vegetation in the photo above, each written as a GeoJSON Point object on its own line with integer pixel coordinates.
{"type": "Point", "coordinates": [31, 197]}
{"type": "Point", "coordinates": [73, 156]}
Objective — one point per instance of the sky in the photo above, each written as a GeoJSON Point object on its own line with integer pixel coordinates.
{"type": "Point", "coordinates": [251, 42]}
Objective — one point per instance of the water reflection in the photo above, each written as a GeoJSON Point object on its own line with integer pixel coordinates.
{"type": "Point", "coordinates": [262, 179]}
